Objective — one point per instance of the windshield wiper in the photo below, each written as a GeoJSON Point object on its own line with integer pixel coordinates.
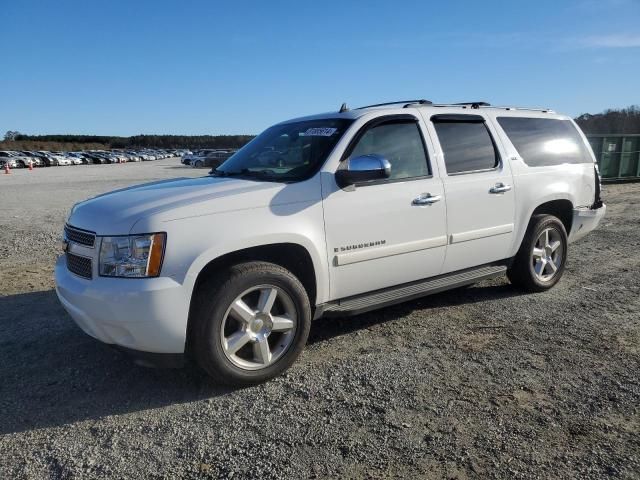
{"type": "Point", "coordinates": [218, 173]}
{"type": "Point", "coordinates": [245, 172]}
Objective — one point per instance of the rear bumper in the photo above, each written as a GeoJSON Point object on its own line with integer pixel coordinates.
{"type": "Point", "coordinates": [585, 220]}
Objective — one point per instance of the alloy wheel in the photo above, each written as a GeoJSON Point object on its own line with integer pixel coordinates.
{"type": "Point", "coordinates": [547, 254]}
{"type": "Point", "coordinates": [258, 327]}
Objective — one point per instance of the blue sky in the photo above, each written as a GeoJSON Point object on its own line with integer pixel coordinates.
{"type": "Point", "coordinates": [205, 67]}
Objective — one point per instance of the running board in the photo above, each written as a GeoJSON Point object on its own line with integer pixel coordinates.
{"type": "Point", "coordinates": [401, 293]}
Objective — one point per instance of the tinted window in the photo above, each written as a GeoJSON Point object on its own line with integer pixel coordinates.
{"type": "Point", "coordinates": [466, 146]}
{"type": "Point", "coordinates": [398, 142]}
{"type": "Point", "coordinates": [545, 141]}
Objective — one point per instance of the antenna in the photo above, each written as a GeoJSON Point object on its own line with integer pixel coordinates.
{"type": "Point", "coordinates": [343, 108]}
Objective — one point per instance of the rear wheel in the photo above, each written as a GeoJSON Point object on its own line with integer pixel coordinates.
{"type": "Point", "coordinates": [540, 262]}
{"type": "Point", "coordinates": [251, 323]}
{"type": "Point", "coordinates": [198, 164]}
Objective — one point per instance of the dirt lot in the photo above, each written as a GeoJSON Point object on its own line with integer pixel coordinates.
{"type": "Point", "coordinates": [483, 382]}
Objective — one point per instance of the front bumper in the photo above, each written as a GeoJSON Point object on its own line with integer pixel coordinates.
{"type": "Point", "coordinates": [585, 220]}
{"type": "Point", "coordinates": [144, 314]}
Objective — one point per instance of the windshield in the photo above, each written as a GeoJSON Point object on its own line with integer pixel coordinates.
{"type": "Point", "coordinates": [290, 152]}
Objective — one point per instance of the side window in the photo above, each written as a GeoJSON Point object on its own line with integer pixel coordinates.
{"type": "Point", "coordinates": [467, 146]}
{"type": "Point", "coordinates": [545, 141]}
{"type": "Point", "coordinates": [401, 144]}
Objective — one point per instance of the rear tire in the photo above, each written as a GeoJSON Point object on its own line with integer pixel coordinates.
{"type": "Point", "coordinates": [198, 164]}
{"type": "Point", "coordinates": [250, 323]}
{"type": "Point", "coordinates": [540, 261]}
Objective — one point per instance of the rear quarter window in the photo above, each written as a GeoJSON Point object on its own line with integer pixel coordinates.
{"type": "Point", "coordinates": [545, 141]}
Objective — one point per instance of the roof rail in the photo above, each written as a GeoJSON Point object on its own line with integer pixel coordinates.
{"type": "Point", "coordinates": [543, 110]}
{"type": "Point", "coordinates": [407, 102]}
{"type": "Point", "coordinates": [474, 104]}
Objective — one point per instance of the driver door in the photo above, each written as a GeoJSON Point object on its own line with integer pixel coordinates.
{"type": "Point", "coordinates": [383, 233]}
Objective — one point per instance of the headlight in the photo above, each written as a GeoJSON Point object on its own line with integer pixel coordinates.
{"type": "Point", "coordinates": [134, 256]}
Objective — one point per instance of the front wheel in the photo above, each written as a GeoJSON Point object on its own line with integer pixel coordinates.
{"type": "Point", "coordinates": [198, 164]}
{"type": "Point", "coordinates": [540, 262]}
{"type": "Point", "coordinates": [251, 323]}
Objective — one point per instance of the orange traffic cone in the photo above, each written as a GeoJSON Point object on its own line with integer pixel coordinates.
{"type": "Point", "coordinates": [7, 170]}
{"type": "Point", "coordinates": [30, 165]}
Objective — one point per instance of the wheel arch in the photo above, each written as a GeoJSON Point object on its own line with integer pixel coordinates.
{"type": "Point", "coordinates": [560, 208]}
{"type": "Point", "coordinates": [292, 256]}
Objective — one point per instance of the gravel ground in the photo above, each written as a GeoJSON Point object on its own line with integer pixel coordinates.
{"type": "Point", "coordinates": [483, 382]}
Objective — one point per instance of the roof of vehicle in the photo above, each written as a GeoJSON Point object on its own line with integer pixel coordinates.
{"type": "Point", "coordinates": [433, 108]}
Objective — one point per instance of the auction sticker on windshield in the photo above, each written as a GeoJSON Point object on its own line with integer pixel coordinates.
{"type": "Point", "coordinates": [319, 132]}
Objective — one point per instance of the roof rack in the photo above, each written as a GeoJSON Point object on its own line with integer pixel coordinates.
{"type": "Point", "coordinates": [543, 110]}
{"type": "Point", "coordinates": [474, 104]}
{"type": "Point", "coordinates": [406, 102]}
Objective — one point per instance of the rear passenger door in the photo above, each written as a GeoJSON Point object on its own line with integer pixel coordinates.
{"type": "Point", "coordinates": [478, 188]}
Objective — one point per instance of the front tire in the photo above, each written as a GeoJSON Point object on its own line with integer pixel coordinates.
{"type": "Point", "coordinates": [540, 262]}
{"type": "Point", "coordinates": [250, 323]}
{"type": "Point", "coordinates": [198, 164]}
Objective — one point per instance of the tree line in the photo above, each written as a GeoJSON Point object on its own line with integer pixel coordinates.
{"type": "Point", "coordinates": [624, 120]}
{"type": "Point", "coordinates": [137, 141]}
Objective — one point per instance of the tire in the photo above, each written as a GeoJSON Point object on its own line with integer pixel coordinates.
{"type": "Point", "coordinates": [231, 349]}
{"type": "Point", "coordinates": [198, 164]}
{"type": "Point", "coordinates": [540, 261]}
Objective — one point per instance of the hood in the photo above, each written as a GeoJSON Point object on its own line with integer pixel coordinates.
{"type": "Point", "coordinates": [116, 212]}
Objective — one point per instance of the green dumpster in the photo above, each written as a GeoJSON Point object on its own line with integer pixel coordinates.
{"type": "Point", "coordinates": [618, 156]}
{"type": "Point", "coordinates": [629, 157]}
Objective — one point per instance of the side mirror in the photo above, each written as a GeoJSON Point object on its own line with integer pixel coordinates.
{"type": "Point", "coordinates": [363, 169]}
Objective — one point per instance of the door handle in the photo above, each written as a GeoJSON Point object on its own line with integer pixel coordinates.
{"type": "Point", "coordinates": [426, 199]}
{"type": "Point", "coordinates": [500, 188]}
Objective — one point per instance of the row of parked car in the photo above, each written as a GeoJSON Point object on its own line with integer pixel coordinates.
{"type": "Point", "coordinates": [43, 158]}
{"type": "Point", "coordinates": [208, 157]}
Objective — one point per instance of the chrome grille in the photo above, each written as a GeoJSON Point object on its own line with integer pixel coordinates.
{"type": "Point", "coordinates": [81, 237]}
{"type": "Point", "coordinates": [81, 266]}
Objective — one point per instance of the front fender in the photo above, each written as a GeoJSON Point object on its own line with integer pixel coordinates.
{"type": "Point", "coordinates": [192, 243]}
{"type": "Point", "coordinates": [318, 258]}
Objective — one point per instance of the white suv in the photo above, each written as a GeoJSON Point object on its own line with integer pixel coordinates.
{"type": "Point", "coordinates": [332, 214]}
